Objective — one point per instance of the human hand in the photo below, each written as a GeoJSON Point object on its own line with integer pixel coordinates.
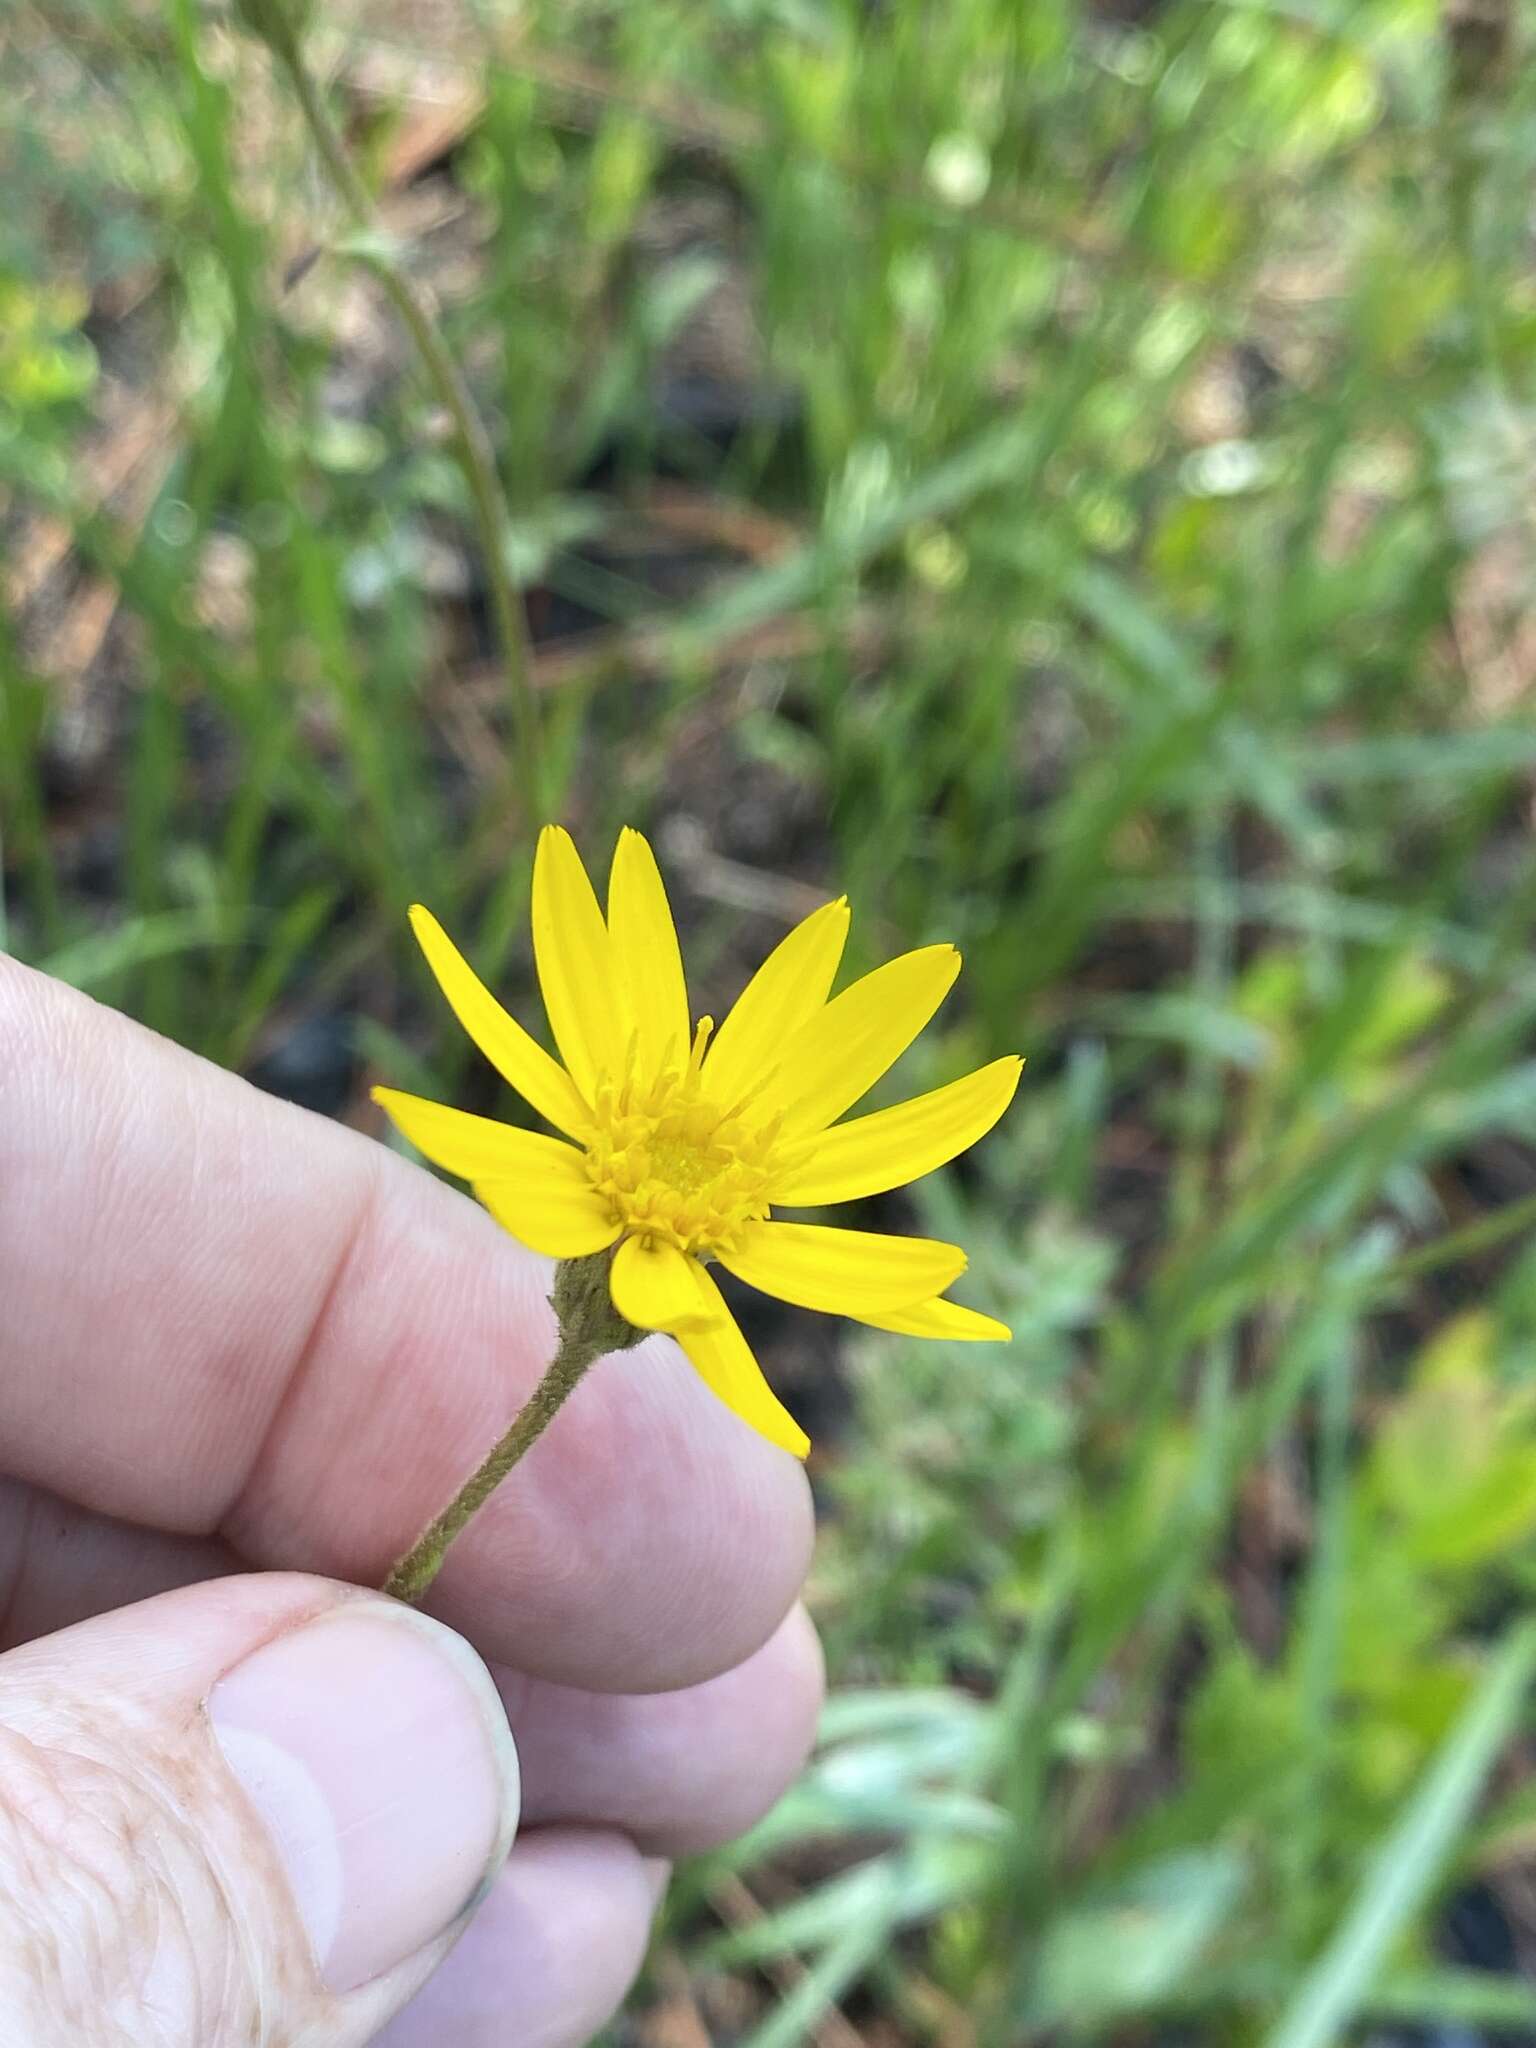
{"type": "Point", "coordinates": [242, 1345]}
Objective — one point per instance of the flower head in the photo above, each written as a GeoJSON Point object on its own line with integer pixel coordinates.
{"type": "Point", "coordinates": [684, 1140]}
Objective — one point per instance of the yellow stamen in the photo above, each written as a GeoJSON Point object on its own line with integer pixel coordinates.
{"type": "Point", "coordinates": [674, 1166]}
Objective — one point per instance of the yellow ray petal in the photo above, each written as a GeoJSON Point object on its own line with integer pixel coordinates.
{"type": "Point", "coordinates": [723, 1360]}
{"type": "Point", "coordinates": [946, 1319]}
{"type": "Point", "coordinates": [556, 1212]}
{"type": "Point", "coordinates": [475, 1147]}
{"type": "Point", "coordinates": [655, 1286]}
{"type": "Point", "coordinates": [893, 1146]}
{"type": "Point", "coordinates": [648, 966]}
{"type": "Point", "coordinates": [575, 962]}
{"type": "Point", "coordinates": [518, 1058]}
{"type": "Point", "coordinates": [787, 990]}
{"type": "Point", "coordinates": [844, 1049]}
{"type": "Point", "coordinates": [844, 1272]}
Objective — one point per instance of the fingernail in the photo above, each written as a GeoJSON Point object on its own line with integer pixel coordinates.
{"type": "Point", "coordinates": [372, 1743]}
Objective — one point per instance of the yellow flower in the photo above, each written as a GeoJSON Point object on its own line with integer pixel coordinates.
{"type": "Point", "coordinates": [684, 1141]}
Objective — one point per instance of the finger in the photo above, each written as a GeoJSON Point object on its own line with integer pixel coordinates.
{"type": "Point", "coordinates": [678, 1772]}
{"type": "Point", "coordinates": [550, 1954]}
{"type": "Point", "coordinates": [60, 1563]}
{"type": "Point", "coordinates": [243, 1814]}
{"type": "Point", "coordinates": [224, 1315]}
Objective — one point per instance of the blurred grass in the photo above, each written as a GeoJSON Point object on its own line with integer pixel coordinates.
{"type": "Point", "coordinates": [1065, 476]}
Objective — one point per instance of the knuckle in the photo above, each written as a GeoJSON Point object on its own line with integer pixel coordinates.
{"type": "Point", "coordinates": [119, 1923]}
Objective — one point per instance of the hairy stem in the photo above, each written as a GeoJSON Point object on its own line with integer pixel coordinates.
{"type": "Point", "coordinates": [589, 1327]}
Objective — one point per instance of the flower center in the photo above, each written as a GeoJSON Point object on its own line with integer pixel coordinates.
{"type": "Point", "coordinates": [675, 1166]}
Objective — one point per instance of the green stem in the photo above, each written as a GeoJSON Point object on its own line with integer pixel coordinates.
{"type": "Point", "coordinates": [590, 1326]}
{"type": "Point", "coordinates": [1512, 1220]}
{"type": "Point", "coordinates": [476, 459]}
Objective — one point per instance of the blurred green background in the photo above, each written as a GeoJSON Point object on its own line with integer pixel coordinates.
{"type": "Point", "coordinates": [1062, 474]}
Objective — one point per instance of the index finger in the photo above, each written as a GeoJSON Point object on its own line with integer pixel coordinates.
{"type": "Point", "coordinates": [225, 1315]}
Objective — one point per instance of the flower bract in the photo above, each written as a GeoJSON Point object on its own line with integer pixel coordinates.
{"type": "Point", "coordinates": [681, 1142]}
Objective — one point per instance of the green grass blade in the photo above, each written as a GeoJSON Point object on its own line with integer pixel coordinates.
{"type": "Point", "coordinates": [1412, 1856]}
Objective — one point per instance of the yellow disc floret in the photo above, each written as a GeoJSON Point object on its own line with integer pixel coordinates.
{"type": "Point", "coordinates": [675, 1166]}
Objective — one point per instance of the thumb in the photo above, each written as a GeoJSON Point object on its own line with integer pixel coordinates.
{"type": "Point", "coordinates": [252, 1812]}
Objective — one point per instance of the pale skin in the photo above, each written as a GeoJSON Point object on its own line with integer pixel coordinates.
{"type": "Point", "coordinates": [238, 1339]}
